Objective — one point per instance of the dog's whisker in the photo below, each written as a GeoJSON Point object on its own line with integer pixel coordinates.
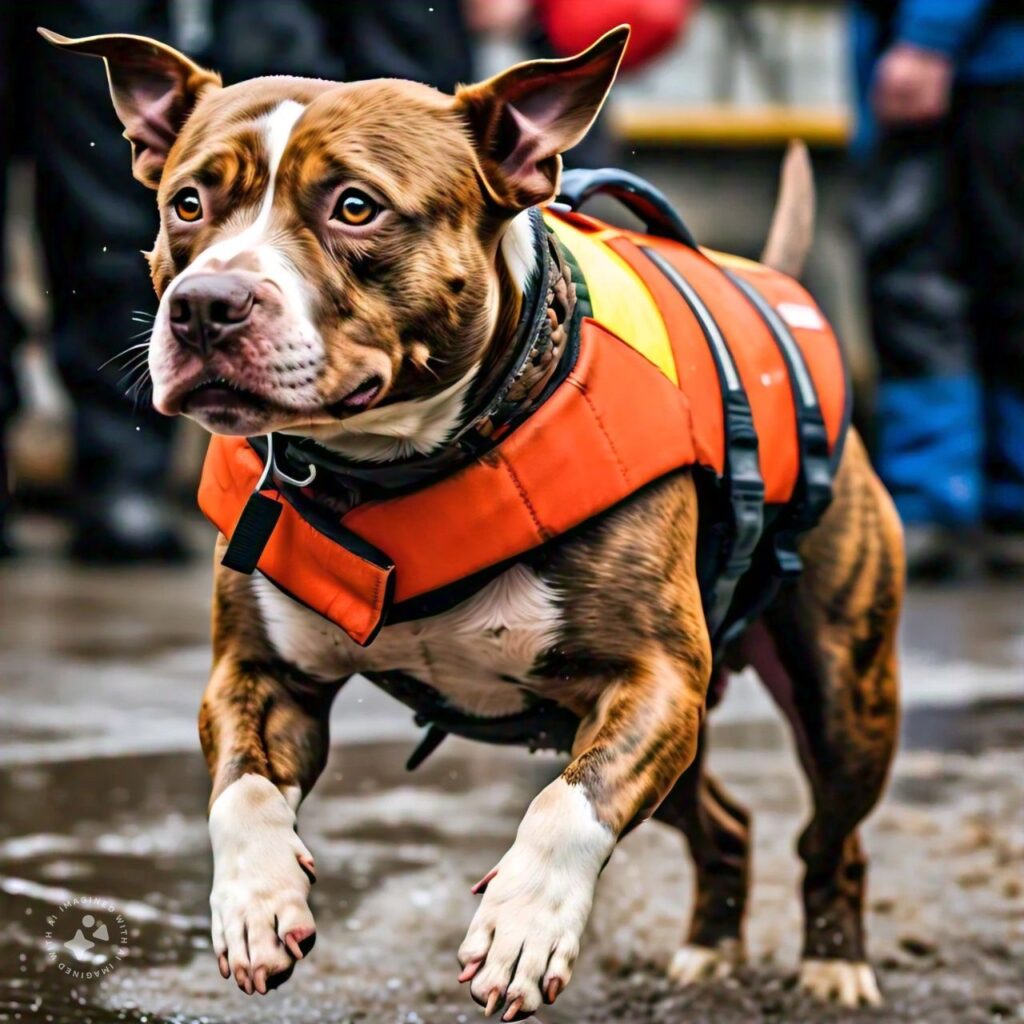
{"type": "Point", "coordinates": [143, 374]}
{"type": "Point", "coordinates": [134, 360]}
{"type": "Point", "coordinates": [138, 388]}
{"type": "Point", "coordinates": [123, 352]}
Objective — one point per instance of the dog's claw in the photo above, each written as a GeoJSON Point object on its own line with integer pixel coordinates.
{"type": "Point", "coordinates": [222, 965]}
{"type": "Point", "coordinates": [513, 1010]}
{"type": "Point", "coordinates": [554, 988]}
{"type": "Point", "coordinates": [308, 865]}
{"type": "Point", "coordinates": [492, 1002]}
{"type": "Point", "coordinates": [842, 982]}
{"type": "Point", "coordinates": [291, 940]}
{"type": "Point", "coordinates": [694, 964]}
{"type": "Point", "coordinates": [243, 981]}
{"type": "Point", "coordinates": [481, 887]}
{"type": "Point", "coordinates": [469, 970]}
{"type": "Point", "coordinates": [261, 980]}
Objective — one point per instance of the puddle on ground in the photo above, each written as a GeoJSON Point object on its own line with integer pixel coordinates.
{"type": "Point", "coordinates": [397, 853]}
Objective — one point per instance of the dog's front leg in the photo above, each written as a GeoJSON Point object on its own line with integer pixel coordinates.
{"type": "Point", "coordinates": [265, 746]}
{"type": "Point", "coordinates": [524, 938]}
{"type": "Point", "coordinates": [264, 734]}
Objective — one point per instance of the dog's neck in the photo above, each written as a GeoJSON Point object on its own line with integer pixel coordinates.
{"type": "Point", "coordinates": [420, 426]}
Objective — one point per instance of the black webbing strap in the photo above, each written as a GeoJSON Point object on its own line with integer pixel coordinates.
{"type": "Point", "coordinates": [813, 491]}
{"type": "Point", "coordinates": [255, 524]}
{"type": "Point", "coordinates": [256, 521]}
{"type": "Point", "coordinates": [543, 725]}
{"type": "Point", "coordinates": [640, 197]}
{"type": "Point", "coordinates": [744, 487]}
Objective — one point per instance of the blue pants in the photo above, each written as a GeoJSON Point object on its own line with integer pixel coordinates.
{"type": "Point", "coordinates": [940, 219]}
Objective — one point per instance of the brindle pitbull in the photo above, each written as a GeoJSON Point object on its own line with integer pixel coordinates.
{"type": "Point", "coordinates": [347, 262]}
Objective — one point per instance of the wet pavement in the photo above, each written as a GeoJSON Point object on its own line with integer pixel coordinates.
{"type": "Point", "coordinates": [103, 791]}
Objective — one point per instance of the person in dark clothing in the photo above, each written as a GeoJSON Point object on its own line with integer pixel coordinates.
{"type": "Point", "coordinates": [940, 220]}
{"type": "Point", "coordinates": [93, 219]}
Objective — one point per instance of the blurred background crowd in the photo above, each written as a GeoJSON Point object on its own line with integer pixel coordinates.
{"type": "Point", "coordinates": [914, 110]}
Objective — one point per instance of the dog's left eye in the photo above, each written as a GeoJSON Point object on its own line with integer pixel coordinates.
{"type": "Point", "coordinates": [355, 208]}
{"type": "Point", "coordinates": [187, 205]}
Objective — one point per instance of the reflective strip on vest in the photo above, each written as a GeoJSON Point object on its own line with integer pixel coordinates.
{"type": "Point", "coordinates": [618, 296]}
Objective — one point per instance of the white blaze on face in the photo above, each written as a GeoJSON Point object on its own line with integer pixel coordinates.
{"type": "Point", "coordinates": [296, 333]}
{"type": "Point", "coordinates": [278, 127]}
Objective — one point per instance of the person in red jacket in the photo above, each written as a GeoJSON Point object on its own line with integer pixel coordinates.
{"type": "Point", "coordinates": [655, 25]}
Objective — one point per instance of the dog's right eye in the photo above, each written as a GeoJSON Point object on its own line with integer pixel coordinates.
{"type": "Point", "coordinates": [187, 205]}
{"type": "Point", "coordinates": [355, 208]}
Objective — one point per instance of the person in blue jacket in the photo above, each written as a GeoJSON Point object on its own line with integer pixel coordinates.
{"type": "Point", "coordinates": [939, 215]}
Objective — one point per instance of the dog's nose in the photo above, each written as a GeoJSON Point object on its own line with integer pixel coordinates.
{"type": "Point", "coordinates": [207, 309]}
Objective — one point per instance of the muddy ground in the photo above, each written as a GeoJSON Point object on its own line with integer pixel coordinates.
{"type": "Point", "coordinates": [102, 797]}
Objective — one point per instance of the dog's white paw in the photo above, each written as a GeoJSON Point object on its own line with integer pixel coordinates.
{"type": "Point", "coordinates": [525, 935]}
{"type": "Point", "coordinates": [840, 981]}
{"type": "Point", "coordinates": [693, 964]}
{"type": "Point", "coordinates": [261, 921]}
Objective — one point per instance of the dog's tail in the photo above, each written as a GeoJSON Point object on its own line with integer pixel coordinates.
{"type": "Point", "coordinates": [792, 230]}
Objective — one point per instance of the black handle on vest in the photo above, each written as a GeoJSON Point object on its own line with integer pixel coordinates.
{"type": "Point", "coordinates": [251, 533]}
{"type": "Point", "coordinates": [638, 196]}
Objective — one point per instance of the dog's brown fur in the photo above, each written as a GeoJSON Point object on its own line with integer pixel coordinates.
{"type": "Point", "coordinates": [632, 656]}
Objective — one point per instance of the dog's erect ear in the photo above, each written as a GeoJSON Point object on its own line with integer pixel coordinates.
{"type": "Point", "coordinates": [153, 87]}
{"type": "Point", "coordinates": [524, 118]}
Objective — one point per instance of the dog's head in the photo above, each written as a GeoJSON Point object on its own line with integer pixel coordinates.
{"type": "Point", "coordinates": [328, 252]}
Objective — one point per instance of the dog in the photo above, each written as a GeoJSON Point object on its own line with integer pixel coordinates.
{"type": "Point", "coordinates": [346, 262]}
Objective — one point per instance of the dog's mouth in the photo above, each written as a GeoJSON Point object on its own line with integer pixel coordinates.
{"type": "Point", "coordinates": [222, 395]}
{"type": "Point", "coordinates": [360, 398]}
{"type": "Point", "coordinates": [224, 406]}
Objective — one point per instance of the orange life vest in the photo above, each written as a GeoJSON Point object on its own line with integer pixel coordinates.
{"type": "Point", "coordinates": [685, 358]}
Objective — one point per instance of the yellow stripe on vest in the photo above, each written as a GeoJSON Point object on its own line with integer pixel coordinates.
{"type": "Point", "coordinates": [619, 299]}
{"type": "Point", "coordinates": [731, 262]}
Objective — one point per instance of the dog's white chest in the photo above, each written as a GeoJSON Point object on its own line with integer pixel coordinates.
{"type": "Point", "coordinates": [475, 654]}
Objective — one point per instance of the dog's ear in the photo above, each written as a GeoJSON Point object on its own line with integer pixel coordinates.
{"type": "Point", "coordinates": [153, 88]}
{"type": "Point", "coordinates": [522, 120]}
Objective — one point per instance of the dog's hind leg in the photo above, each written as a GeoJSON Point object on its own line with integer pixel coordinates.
{"type": "Point", "coordinates": [717, 831]}
{"type": "Point", "coordinates": [826, 648]}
